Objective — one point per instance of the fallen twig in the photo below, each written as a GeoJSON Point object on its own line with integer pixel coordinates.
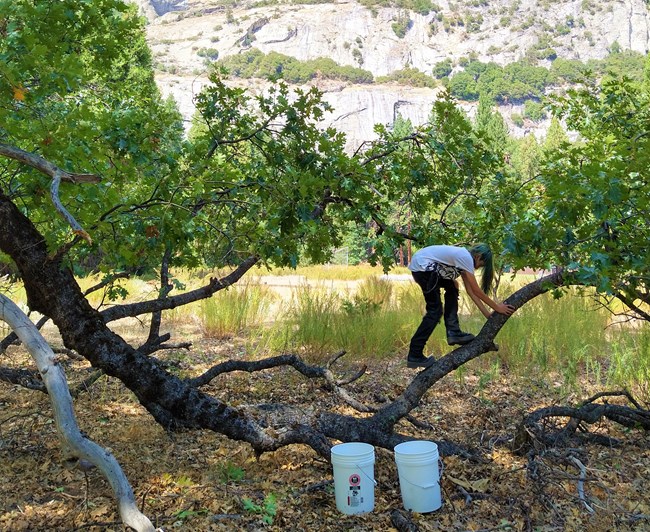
{"type": "Point", "coordinates": [581, 482]}
{"type": "Point", "coordinates": [314, 487]}
{"type": "Point", "coordinates": [402, 522]}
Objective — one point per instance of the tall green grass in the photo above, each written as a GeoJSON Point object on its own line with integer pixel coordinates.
{"type": "Point", "coordinates": [238, 309]}
{"type": "Point", "coordinates": [332, 272]}
{"type": "Point", "coordinates": [564, 336]}
{"type": "Point", "coordinates": [629, 361]}
{"type": "Point", "coordinates": [376, 321]}
{"type": "Point", "coordinates": [572, 339]}
{"type": "Point", "coordinates": [569, 340]}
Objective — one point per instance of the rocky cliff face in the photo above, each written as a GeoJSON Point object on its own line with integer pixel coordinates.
{"type": "Point", "coordinates": [384, 40]}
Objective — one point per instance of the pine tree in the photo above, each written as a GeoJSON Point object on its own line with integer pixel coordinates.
{"type": "Point", "coordinates": [555, 136]}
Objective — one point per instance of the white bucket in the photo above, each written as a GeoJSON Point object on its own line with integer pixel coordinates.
{"type": "Point", "coordinates": [419, 480]}
{"type": "Point", "coordinates": [354, 477]}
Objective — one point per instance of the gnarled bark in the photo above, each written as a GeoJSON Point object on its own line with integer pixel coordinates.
{"type": "Point", "coordinates": [175, 403]}
{"type": "Point", "coordinates": [52, 290]}
{"type": "Point", "coordinates": [531, 431]}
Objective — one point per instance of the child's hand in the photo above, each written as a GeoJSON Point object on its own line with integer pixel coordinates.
{"type": "Point", "coordinates": [504, 309]}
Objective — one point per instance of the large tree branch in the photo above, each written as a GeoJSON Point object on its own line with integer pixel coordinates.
{"type": "Point", "coordinates": [532, 430]}
{"type": "Point", "coordinates": [294, 361]}
{"type": "Point", "coordinates": [52, 290]}
{"type": "Point", "coordinates": [378, 429]}
{"type": "Point", "coordinates": [69, 434]}
{"type": "Point", "coordinates": [23, 377]}
{"type": "Point", "coordinates": [629, 302]}
{"type": "Point", "coordinates": [42, 165]}
{"type": "Point", "coordinates": [153, 305]}
{"type": "Point", "coordinates": [483, 343]}
{"type": "Point", "coordinates": [165, 288]}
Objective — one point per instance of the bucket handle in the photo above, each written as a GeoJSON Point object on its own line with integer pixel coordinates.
{"type": "Point", "coordinates": [366, 474]}
{"type": "Point", "coordinates": [441, 468]}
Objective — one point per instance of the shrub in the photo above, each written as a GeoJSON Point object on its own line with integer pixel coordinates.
{"type": "Point", "coordinates": [409, 76]}
{"type": "Point", "coordinates": [208, 53]}
{"type": "Point", "coordinates": [358, 57]}
{"type": "Point", "coordinates": [401, 26]}
{"type": "Point", "coordinates": [442, 69]}
{"type": "Point", "coordinates": [473, 22]}
{"type": "Point", "coordinates": [534, 110]}
{"type": "Point", "coordinates": [253, 63]}
{"type": "Point", "coordinates": [562, 29]}
{"type": "Point", "coordinates": [517, 119]}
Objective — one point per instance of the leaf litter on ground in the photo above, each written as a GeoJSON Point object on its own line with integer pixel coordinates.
{"type": "Point", "coordinates": [201, 481]}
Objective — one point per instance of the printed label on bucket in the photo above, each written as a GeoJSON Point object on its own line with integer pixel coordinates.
{"type": "Point", "coordinates": [354, 498]}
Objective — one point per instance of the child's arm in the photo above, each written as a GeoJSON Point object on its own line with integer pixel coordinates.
{"type": "Point", "coordinates": [479, 297]}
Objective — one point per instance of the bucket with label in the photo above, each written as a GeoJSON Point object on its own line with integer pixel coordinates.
{"type": "Point", "coordinates": [419, 478]}
{"type": "Point", "coordinates": [354, 477]}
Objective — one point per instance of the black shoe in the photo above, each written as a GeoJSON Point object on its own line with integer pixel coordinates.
{"type": "Point", "coordinates": [420, 361]}
{"type": "Point", "coordinates": [460, 338]}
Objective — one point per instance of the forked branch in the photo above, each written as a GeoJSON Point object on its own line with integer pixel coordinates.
{"type": "Point", "coordinates": [72, 439]}
{"type": "Point", "coordinates": [534, 431]}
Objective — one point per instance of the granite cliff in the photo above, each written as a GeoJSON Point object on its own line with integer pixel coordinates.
{"type": "Point", "coordinates": [384, 40]}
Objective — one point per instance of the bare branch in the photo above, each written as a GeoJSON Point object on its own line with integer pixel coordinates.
{"type": "Point", "coordinates": [283, 360]}
{"type": "Point", "coordinates": [54, 194]}
{"type": "Point", "coordinates": [621, 393]}
{"type": "Point", "coordinates": [12, 337]}
{"type": "Point", "coordinates": [413, 137]}
{"type": "Point", "coordinates": [143, 307]}
{"type": "Point", "coordinates": [581, 482]}
{"type": "Point", "coordinates": [148, 349]}
{"type": "Point", "coordinates": [23, 377]}
{"type": "Point", "coordinates": [531, 430]}
{"type": "Point", "coordinates": [39, 163]}
{"type": "Point", "coordinates": [165, 288]}
{"type": "Point", "coordinates": [629, 302]}
{"type": "Point", "coordinates": [85, 384]}
{"type": "Point", "coordinates": [109, 280]}
{"type": "Point", "coordinates": [68, 352]}
{"type": "Point", "coordinates": [453, 200]}
{"type": "Point", "coordinates": [69, 434]}
{"type": "Point", "coordinates": [222, 142]}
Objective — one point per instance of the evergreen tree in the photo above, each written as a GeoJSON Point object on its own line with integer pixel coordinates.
{"type": "Point", "coordinates": [555, 136]}
{"type": "Point", "coordinates": [490, 123]}
{"type": "Point", "coordinates": [526, 156]}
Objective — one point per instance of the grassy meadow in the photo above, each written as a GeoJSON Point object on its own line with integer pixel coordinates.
{"type": "Point", "coordinates": [319, 310]}
{"type": "Point", "coordinates": [371, 316]}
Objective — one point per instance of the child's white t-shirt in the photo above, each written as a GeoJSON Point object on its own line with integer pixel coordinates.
{"type": "Point", "coordinates": [424, 259]}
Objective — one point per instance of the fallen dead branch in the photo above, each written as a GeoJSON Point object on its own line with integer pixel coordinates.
{"type": "Point", "coordinates": [73, 441]}
{"type": "Point", "coordinates": [581, 482]}
{"type": "Point", "coordinates": [534, 430]}
{"type": "Point", "coordinates": [402, 522]}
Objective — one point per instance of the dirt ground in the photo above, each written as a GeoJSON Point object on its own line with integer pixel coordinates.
{"type": "Point", "coordinates": [199, 481]}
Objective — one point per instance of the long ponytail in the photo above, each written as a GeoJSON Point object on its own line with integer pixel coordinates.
{"type": "Point", "coordinates": [484, 252]}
